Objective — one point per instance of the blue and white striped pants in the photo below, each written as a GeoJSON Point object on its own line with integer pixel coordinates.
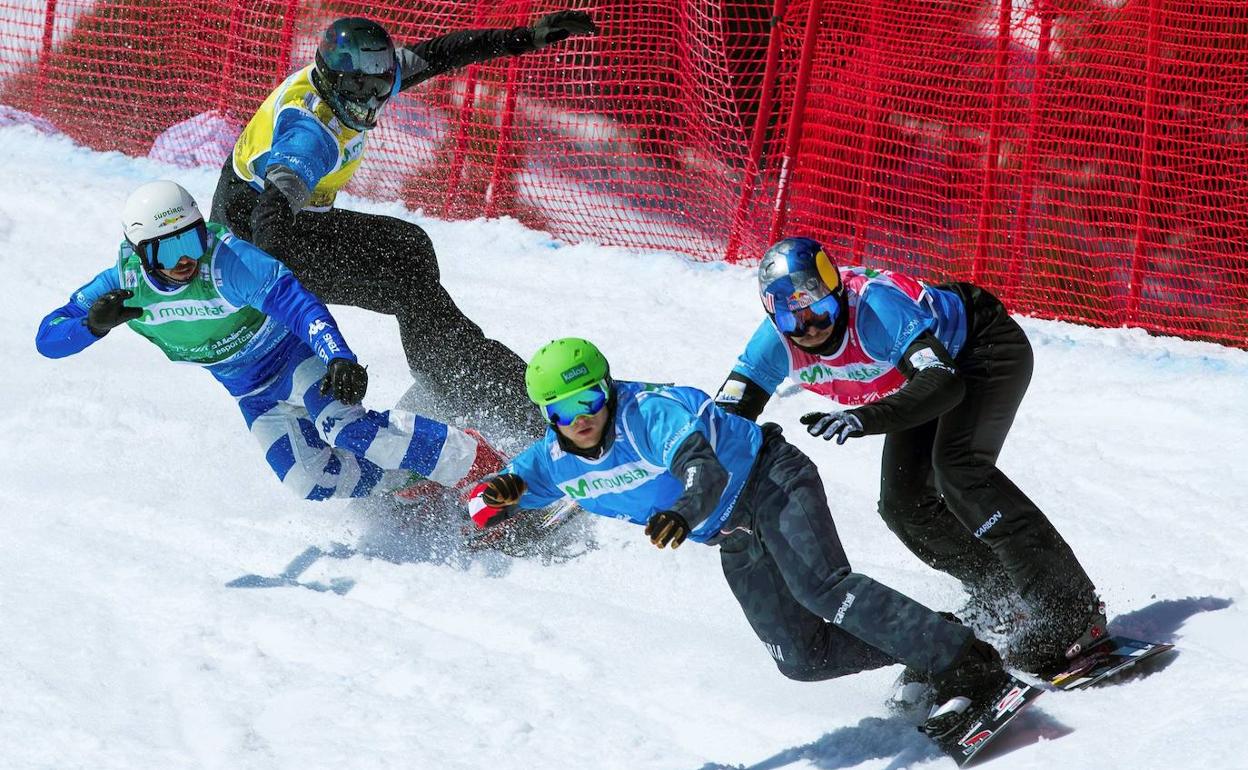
{"type": "Point", "coordinates": [322, 448]}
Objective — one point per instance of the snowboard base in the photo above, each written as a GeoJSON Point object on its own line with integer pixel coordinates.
{"type": "Point", "coordinates": [1107, 659]}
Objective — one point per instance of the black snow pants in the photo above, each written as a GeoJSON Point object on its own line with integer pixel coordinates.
{"type": "Point", "coordinates": [784, 562]}
{"type": "Point", "coordinates": [943, 495]}
{"type": "Point", "coordinates": [389, 266]}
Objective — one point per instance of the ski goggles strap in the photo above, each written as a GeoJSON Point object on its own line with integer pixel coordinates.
{"type": "Point", "coordinates": [585, 402]}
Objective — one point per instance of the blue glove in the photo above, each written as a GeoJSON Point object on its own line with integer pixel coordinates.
{"type": "Point", "coordinates": [833, 425]}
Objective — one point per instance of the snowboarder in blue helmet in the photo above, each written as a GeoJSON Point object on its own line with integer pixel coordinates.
{"type": "Point", "coordinates": [940, 371]}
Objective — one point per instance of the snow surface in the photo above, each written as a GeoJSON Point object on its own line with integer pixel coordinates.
{"type": "Point", "coordinates": [133, 493]}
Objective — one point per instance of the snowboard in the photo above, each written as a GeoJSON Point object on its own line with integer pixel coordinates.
{"type": "Point", "coordinates": [1107, 659]}
{"type": "Point", "coordinates": [430, 513]}
{"type": "Point", "coordinates": [986, 723]}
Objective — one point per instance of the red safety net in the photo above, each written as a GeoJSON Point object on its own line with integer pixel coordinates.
{"type": "Point", "coordinates": [1085, 159]}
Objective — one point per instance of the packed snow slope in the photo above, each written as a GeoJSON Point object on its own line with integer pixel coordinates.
{"type": "Point", "coordinates": [133, 494]}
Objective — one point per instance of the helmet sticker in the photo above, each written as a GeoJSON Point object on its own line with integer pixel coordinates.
{"type": "Point", "coordinates": [580, 370]}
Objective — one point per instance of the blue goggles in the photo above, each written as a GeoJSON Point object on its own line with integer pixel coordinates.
{"type": "Point", "coordinates": [166, 251]}
{"type": "Point", "coordinates": [818, 315]}
{"type": "Point", "coordinates": [586, 402]}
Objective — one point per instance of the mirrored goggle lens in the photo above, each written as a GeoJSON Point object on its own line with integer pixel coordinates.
{"type": "Point", "coordinates": [359, 86]}
{"type": "Point", "coordinates": [165, 252]}
{"type": "Point", "coordinates": [589, 401]}
{"type": "Point", "coordinates": [818, 315]}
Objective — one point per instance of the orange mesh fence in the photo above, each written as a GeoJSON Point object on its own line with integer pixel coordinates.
{"type": "Point", "coordinates": [1085, 159]}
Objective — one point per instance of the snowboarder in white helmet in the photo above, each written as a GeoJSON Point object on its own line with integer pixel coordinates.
{"type": "Point", "coordinates": [205, 297]}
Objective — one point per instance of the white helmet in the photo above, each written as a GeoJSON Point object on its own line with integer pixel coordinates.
{"type": "Point", "coordinates": [163, 225]}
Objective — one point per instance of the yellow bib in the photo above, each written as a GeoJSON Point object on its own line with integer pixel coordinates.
{"type": "Point", "coordinates": [298, 93]}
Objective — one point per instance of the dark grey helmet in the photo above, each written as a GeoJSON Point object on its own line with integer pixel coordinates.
{"type": "Point", "coordinates": [356, 70]}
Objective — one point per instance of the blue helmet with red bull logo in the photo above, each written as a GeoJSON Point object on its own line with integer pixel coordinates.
{"type": "Point", "coordinates": [801, 288]}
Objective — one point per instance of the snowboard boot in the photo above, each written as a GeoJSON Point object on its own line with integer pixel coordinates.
{"type": "Point", "coordinates": [1049, 642]}
{"type": "Point", "coordinates": [421, 492]}
{"type": "Point", "coordinates": [992, 611]}
{"type": "Point", "coordinates": [964, 689]}
{"type": "Point", "coordinates": [488, 462]}
{"type": "Point", "coordinates": [912, 694]}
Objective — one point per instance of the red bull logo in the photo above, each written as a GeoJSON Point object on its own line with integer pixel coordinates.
{"type": "Point", "coordinates": [800, 298]}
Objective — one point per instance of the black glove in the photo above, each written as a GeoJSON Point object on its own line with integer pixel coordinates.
{"type": "Point", "coordinates": [560, 25]}
{"type": "Point", "coordinates": [346, 381]}
{"type": "Point", "coordinates": [271, 219]}
{"type": "Point", "coordinates": [833, 425]}
{"type": "Point", "coordinates": [667, 527]}
{"type": "Point", "coordinates": [503, 491]}
{"type": "Point", "coordinates": [110, 310]}
{"type": "Point", "coordinates": [491, 501]}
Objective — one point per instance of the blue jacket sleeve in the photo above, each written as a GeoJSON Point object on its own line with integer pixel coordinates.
{"type": "Point", "coordinates": [765, 360]}
{"type": "Point", "coordinates": [247, 275]}
{"type": "Point", "coordinates": [540, 489]}
{"type": "Point", "coordinates": [303, 145]}
{"type": "Point", "coordinates": [64, 332]}
{"type": "Point", "coordinates": [667, 423]}
{"type": "Point", "coordinates": [676, 438]}
{"type": "Point", "coordinates": [888, 321]}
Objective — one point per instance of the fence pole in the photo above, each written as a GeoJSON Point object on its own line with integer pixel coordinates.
{"type": "Point", "coordinates": [45, 51]}
{"type": "Point", "coordinates": [466, 110]}
{"type": "Point", "coordinates": [866, 158]}
{"type": "Point", "coordinates": [797, 121]}
{"type": "Point", "coordinates": [503, 163]}
{"type": "Point", "coordinates": [1147, 151]}
{"type": "Point", "coordinates": [1040, 73]}
{"type": "Point", "coordinates": [992, 161]}
{"type": "Point", "coordinates": [762, 117]}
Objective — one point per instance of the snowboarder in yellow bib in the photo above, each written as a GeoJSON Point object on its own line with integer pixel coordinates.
{"type": "Point", "coordinates": [303, 145]}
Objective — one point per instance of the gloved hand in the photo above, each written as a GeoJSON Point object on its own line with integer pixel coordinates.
{"type": "Point", "coordinates": [667, 527]}
{"type": "Point", "coordinates": [833, 425]}
{"type": "Point", "coordinates": [345, 381]}
{"type": "Point", "coordinates": [490, 501]}
{"type": "Point", "coordinates": [109, 311]}
{"type": "Point", "coordinates": [271, 219]}
{"type": "Point", "coordinates": [560, 25]}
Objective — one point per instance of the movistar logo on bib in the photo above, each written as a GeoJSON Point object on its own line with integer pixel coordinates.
{"type": "Point", "coordinates": [353, 149]}
{"type": "Point", "coordinates": [857, 372]}
{"type": "Point", "coordinates": [186, 310]}
{"type": "Point", "coordinates": [618, 479]}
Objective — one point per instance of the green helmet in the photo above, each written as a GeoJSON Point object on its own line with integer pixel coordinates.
{"type": "Point", "coordinates": [562, 368]}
